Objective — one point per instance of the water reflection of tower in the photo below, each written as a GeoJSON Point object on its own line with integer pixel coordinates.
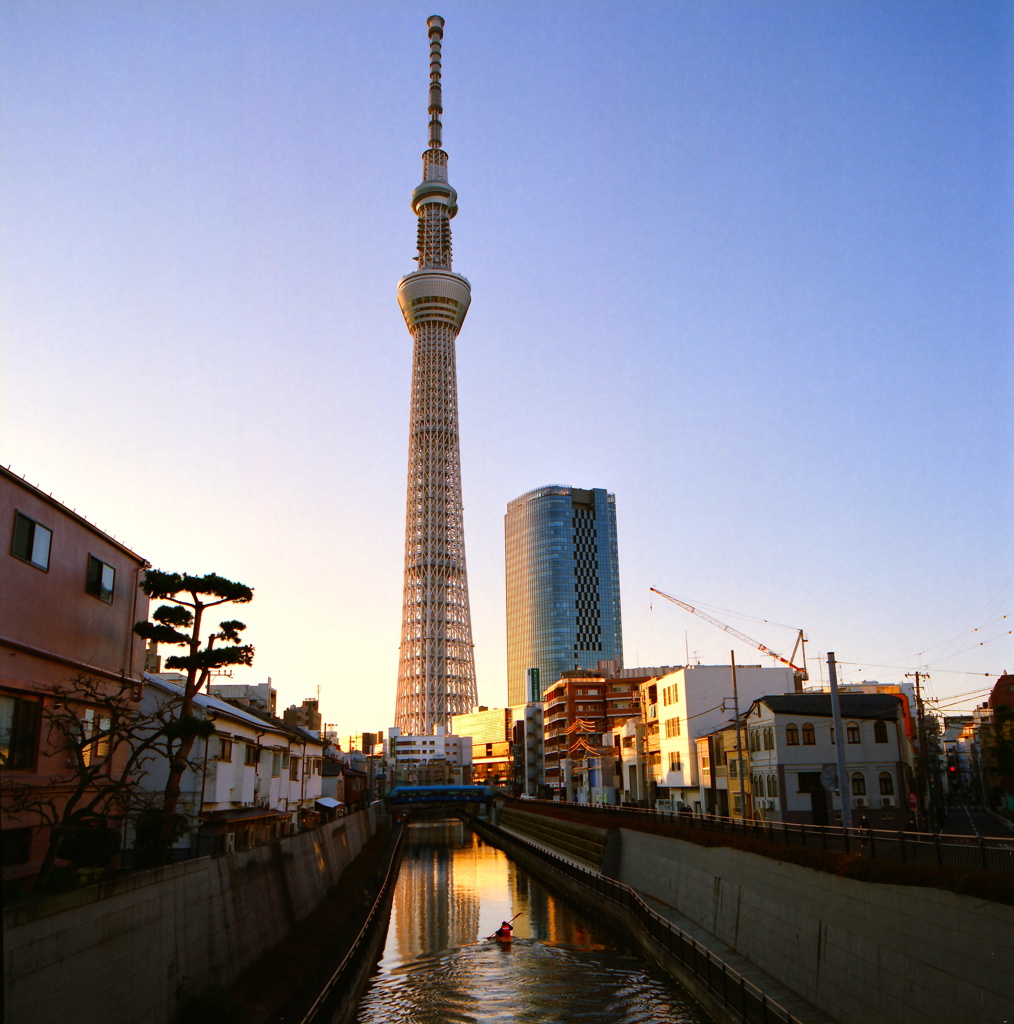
{"type": "Point", "coordinates": [431, 911]}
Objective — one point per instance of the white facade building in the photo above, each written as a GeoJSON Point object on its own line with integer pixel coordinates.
{"type": "Point", "coordinates": [421, 760]}
{"type": "Point", "coordinates": [692, 702]}
{"type": "Point", "coordinates": [793, 759]}
{"type": "Point", "coordinates": [253, 780]}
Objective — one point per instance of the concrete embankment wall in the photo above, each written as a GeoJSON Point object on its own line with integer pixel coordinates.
{"type": "Point", "coordinates": [864, 953]}
{"type": "Point", "coordinates": [125, 949]}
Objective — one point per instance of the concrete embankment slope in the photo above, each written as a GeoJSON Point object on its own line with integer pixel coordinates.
{"type": "Point", "coordinates": [864, 953]}
{"type": "Point", "coordinates": [123, 951]}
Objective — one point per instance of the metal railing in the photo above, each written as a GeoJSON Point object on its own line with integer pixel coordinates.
{"type": "Point", "coordinates": [340, 978]}
{"type": "Point", "coordinates": [724, 982]}
{"type": "Point", "coordinates": [929, 849]}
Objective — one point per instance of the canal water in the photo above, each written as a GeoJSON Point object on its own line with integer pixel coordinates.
{"type": "Point", "coordinates": [438, 967]}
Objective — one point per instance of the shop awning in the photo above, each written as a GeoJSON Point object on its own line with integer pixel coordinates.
{"type": "Point", "coordinates": [328, 801]}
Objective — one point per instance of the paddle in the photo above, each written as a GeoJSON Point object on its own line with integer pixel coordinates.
{"type": "Point", "coordinates": [511, 921]}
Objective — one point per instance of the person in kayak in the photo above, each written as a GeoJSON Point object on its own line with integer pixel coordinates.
{"type": "Point", "coordinates": [503, 933]}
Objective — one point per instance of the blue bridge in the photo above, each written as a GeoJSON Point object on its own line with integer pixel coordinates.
{"type": "Point", "coordinates": [438, 796]}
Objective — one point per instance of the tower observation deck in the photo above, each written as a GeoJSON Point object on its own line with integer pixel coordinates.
{"type": "Point", "coordinates": [436, 671]}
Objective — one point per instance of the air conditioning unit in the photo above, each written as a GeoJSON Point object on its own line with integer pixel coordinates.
{"type": "Point", "coordinates": [888, 801]}
{"type": "Point", "coordinates": [860, 801]}
{"type": "Point", "coordinates": [230, 842]}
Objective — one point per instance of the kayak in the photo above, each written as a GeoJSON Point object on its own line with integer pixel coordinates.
{"type": "Point", "coordinates": [505, 939]}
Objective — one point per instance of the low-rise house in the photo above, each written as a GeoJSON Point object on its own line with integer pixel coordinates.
{"type": "Point", "coordinates": [723, 771]}
{"type": "Point", "coordinates": [793, 758]}
{"type": "Point", "coordinates": [254, 780]}
{"type": "Point", "coordinates": [344, 782]}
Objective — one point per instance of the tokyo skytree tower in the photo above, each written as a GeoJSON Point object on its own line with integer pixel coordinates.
{"type": "Point", "coordinates": [436, 672]}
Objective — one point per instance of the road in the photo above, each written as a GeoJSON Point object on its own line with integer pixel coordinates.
{"type": "Point", "coordinates": [971, 820]}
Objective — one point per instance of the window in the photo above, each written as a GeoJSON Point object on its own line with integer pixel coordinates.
{"type": "Point", "coordinates": [100, 579]}
{"type": "Point", "coordinates": [858, 784]}
{"type": "Point", "coordinates": [773, 785]}
{"type": "Point", "coordinates": [809, 739]}
{"type": "Point", "coordinates": [706, 764]}
{"type": "Point", "coordinates": [852, 732]}
{"type": "Point", "coordinates": [94, 737]}
{"type": "Point", "coordinates": [769, 738]}
{"type": "Point", "coordinates": [31, 541]}
{"type": "Point", "coordinates": [792, 735]}
{"type": "Point", "coordinates": [276, 763]}
{"type": "Point", "coordinates": [672, 727]}
{"type": "Point", "coordinates": [880, 731]}
{"type": "Point", "coordinates": [754, 743]}
{"type": "Point", "coordinates": [886, 784]}
{"type": "Point", "coordinates": [224, 749]}
{"type": "Point", "coordinates": [253, 754]}
{"type": "Point", "coordinates": [674, 761]}
{"type": "Point", "coordinates": [809, 782]}
{"type": "Point", "coordinates": [294, 768]}
{"type": "Point", "coordinates": [733, 762]}
{"type": "Point", "coordinates": [19, 721]}
{"type": "Point", "coordinates": [15, 845]}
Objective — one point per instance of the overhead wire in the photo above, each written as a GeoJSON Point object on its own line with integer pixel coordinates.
{"type": "Point", "coordinates": [944, 643]}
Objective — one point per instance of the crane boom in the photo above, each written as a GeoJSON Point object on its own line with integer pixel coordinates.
{"type": "Point", "coordinates": [736, 633]}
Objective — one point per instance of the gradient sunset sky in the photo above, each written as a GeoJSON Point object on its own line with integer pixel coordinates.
{"type": "Point", "coordinates": [746, 265]}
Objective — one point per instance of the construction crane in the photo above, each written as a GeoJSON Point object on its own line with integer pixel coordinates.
{"type": "Point", "coordinates": [801, 674]}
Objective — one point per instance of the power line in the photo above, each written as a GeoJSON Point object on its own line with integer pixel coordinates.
{"type": "Point", "coordinates": [903, 668]}
{"type": "Point", "coordinates": [944, 643]}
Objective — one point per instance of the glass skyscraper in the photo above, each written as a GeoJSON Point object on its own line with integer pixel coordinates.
{"type": "Point", "coordinates": [563, 587]}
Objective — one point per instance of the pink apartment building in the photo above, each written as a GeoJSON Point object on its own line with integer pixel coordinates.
{"type": "Point", "coordinates": [69, 598]}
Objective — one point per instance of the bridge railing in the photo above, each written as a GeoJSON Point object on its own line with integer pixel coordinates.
{"type": "Point", "coordinates": [722, 980]}
{"type": "Point", "coordinates": [969, 853]}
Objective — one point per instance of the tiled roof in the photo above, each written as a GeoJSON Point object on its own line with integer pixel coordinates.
{"type": "Point", "coordinates": [818, 705]}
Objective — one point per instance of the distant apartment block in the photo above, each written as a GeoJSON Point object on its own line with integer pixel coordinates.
{"type": "Point", "coordinates": [437, 759]}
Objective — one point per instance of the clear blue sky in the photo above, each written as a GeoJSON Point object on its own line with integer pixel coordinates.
{"type": "Point", "coordinates": [746, 265]}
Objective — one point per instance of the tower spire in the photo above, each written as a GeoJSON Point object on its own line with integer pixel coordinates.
{"type": "Point", "coordinates": [436, 670]}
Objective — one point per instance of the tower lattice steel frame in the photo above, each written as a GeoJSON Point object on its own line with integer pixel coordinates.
{"type": "Point", "coordinates": [436, 672]}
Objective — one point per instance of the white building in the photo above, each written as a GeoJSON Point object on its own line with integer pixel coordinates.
{"type": "Point", "coordinates": [692, 702]}
{"type": "Point", "coordinates": [793, 758]}
{"type": "Point", "coordinates": [439, 758]}
{"type": "Point", "coordinates": [253, 780]}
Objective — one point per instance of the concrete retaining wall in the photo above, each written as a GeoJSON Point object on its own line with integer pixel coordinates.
{"type": "Point", "coordinates": [122, 951]}
{"type": "Point", "coordinates": [863, 953]}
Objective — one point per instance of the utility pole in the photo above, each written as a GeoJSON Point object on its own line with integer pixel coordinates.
{"type": "Point", "coordinates": [844, 783]}
{"type": "Point", "coordinates": [739, 745]}
{"type": "Point", "coordinates": [921, 761]}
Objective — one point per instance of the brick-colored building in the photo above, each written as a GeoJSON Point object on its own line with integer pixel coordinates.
{"type": "Point", "coordinates": [69, 598]}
